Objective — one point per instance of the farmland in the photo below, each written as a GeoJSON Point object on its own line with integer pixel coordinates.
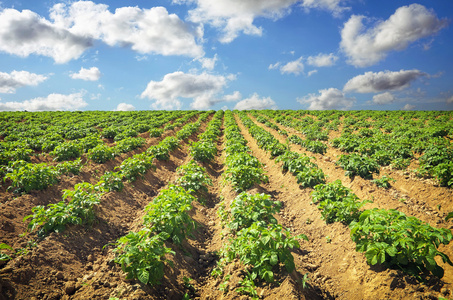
{"type": "Point", "coordinates": [203, 205]}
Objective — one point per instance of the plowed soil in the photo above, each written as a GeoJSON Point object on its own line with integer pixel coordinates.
{"type": "Point", "coordinates": [77, 264]}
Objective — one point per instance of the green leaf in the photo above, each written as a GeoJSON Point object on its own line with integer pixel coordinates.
{"type": "Point", "coordinates": [274, 259]}
{"type": "Point", "coordinates": [143, 276]}
{"type": "Point", "coordinates": [449, 216]}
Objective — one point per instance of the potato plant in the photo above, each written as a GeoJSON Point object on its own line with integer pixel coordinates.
{"type": "Point", "coordinates": [168, 213]}
{"type": "Point", "coordinates": [26, 177]}
{"type": "Point", "coordinates": [337, 203]}
{"type": "Point", "coordinates": [193, 177]}
{"type": "Point", "coordinates": [76, 211]}
{"type": "Point", "coordinates": [142, 255]}
{"type": "Point", "coordinates": [390, 237]}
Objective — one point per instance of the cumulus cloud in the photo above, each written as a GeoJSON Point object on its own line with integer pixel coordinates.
{"type": "Point", "coordinates": [367, 46]}
{"type": "Point", "coordinates": [293, 67]}
{"type": "Point", "coordinates": [322, 60]}
{"type": "Point", "coordinates": [236, 96]}
{"type": "Point", "coordinates": [371, 82]}
{"type": "Point", "coordinates": [74, 27]}
{"type": "Point", "coordinates": [233, 17]}
{"type": "Point", "coordinates": [24, 33]}
{"type": "Point", "coordinates": [91, 74]}
{"type": "Point", "coordinates": [151, 30]}
{"type": "Point", "coordinates": [327, 99]}
{"type": "Point", "coordinates": [17, 79]}
{"type": "Point", "coordinates": [50, 103]}
{"type": "Point", "coordinates": [408, 107]}
{"type": "Point", "coordinates": [255, 102]}
{"type": "Point", "coordinates": [125, 107]}
{"type": "Point", "coordinates": [450, 100]}
{"type": "Point", "coordinates": [384, 98]}
{"type": "Point", "coordinates": [202, 88]}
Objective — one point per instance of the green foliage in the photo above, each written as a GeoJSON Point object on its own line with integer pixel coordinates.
{"type": "Point", "coordinates": [133, 167]}
{"type": "Point", "coordinates": [66, 151]}
{"type": "Point", "coordinates": [78, 210]}
{"type": "Point", "coordinates": [101, 153]}
{"type": "Point", "coordinates": [129, 144]}
{"type": "Point", "coordinates": [449, 216]}
{"type": "Point", "coordinates": [263, 248]}
{"type": "Point", "coordinates": [203, 151]}
{"type": "Point", "coordinates": [4, 256]}
{"type": "Point", "coordinates": [444, 173]}
{"type": "Point", "coordinates": [142, 256]}
{"type": "Point", "coordinates": [156, 132]}
{"type": "Point", "coordinates": [337, 203]}
{"type": "Point", "coordinates": [309, 177]}
{"type": "Point", "coordinates": [112, 181]}
{"type": "Point", "coordinates": [193, 177]}
{"type": "Point", "coordinates": [355, 164]}
{"type": "Point", "coordinates": [109, 132]}
{"type": "Point", "coordinates": [26, 177]}
{"type": "Point", "coordinates": [306, 172]}
{"type": "Point", "coordinates": [69, 167]}
{"type": "Point", "coordinates": [244, 171]}
{"type": "Point", "coordinates": [170, 142]}
{"type": "Point", "coordinates": [168, 213]}
{"type": "Point", "coordinates": [247, 209]}
{"type": "Point", "coordinates": [392, 238]}
{"type": "Point", "coordinates": [89, 142]}
{"type": "Point", "coordinates": [383, 182]}
{"type": "Point", "coordinates": [159, 152]}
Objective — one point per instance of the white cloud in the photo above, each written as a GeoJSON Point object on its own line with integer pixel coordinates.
{"type": "Point", "coordinates": [236, 96]}
{"type": "Point", "coordinates": [450, 100]}
{"type": "Point", "coordinates": [384, 98]}
{"type": "Point", "coordinates": [75, 26]}
{"type": "Point", "coordinates": [327, 99]}
{"type": "Point", "coordinates": [408, 107]}
{"type": "Point", "coordinates": [312, 72]}
{"type": "Point", "coordinates": [367, 46]}
{"type": "Point", "coordinates": [50, 103]}
{"type": "Point", "coordinates": [125, 107]}
{"type": "Point", "coordinates": [151, 30]}
{"type": "Point", "coordinates": [17, 79]}
{"type": "Point", "coordinates": [255, 102]}
{"type": "Point", "coordinates": [203, 88]}
{"type": "Point", "coordinates": [24, 33]}
{"type": "Point", "coordinates": [322, 60]}
{"type": "Point", "coordinates": [91, 74]}
{"type": "Point", "coordinates": [371, 82]}
{"type": "Point", "coordinates": [208, 63]}
{"type": "Point", "coordinates": [293, 67]}
{"type": "Point", "coordinates": [274, 66]}
{"type": "Point", "coordinates": [233, 17]}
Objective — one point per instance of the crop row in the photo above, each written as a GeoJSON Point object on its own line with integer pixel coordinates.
{"type": "Point", "coordinates": [386, 236]}
{"type": "Point", "coordinates": [143, 254]}
{"type": "Point", "coordinates": [79, 208]}
{"type": "Point", "coordinates": [25, 176]}
{"type": "Point", "coordinates": [69, 138]}
{"type": "Point", "coordinates": [254, 236]}
{"type": "Point", "coordinates": [307, 173]}
{"type": "Point", "coordinates": [384, 141]}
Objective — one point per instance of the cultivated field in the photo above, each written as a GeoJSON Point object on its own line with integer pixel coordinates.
{"type": "Point", "coordinates": [226, 205]}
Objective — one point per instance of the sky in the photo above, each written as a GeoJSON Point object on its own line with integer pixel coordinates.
{"type": "Point", "coordinates": [226, 54]}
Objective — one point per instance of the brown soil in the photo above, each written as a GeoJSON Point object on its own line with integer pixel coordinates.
{"type": "Point", "coordinates": [76, 265]}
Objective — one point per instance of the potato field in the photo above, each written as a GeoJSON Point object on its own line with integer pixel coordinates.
{"type": "Point", "coordinates": [226, 205]}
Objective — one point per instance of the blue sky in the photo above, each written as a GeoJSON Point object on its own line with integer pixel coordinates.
{"type": "Point", "coordinates": [226, 54]}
